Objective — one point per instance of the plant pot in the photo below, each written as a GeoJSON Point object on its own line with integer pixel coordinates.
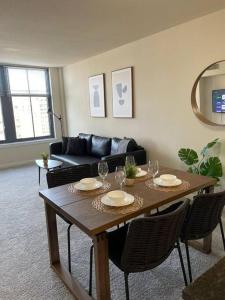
{"type": "Point", "coordinates": [45, 161]}
{"type": "Point", "coordinates": [129, 181]}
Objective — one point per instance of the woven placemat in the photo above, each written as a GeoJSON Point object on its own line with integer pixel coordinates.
{"type": "Point", "coordinates": [182, 187]}
{"type": "Point", "coordinates": [142, 178]}
{"type": "Point", "coordinates": [101, 190]}
{"type": "Point", "coordinates": [136, 205]}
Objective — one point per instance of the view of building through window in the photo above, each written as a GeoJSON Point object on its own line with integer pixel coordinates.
{"type": "Point", "coordinates": [30, 102]}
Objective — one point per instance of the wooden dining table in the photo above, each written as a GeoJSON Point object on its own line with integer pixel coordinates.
{"type": "Point", "coordinates": [77, 208]}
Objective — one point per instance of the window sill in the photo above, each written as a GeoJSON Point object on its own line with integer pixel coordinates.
{"type": "Point", "coordinates": [25, 143]}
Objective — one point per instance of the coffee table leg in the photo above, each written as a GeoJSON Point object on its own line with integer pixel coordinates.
{"type": "Point", "coordinates": [102, 266]}
{"type": "Point", "coordinates": [39, 175]}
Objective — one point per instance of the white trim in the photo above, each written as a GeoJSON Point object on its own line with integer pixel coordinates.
{"type": "Point", "coordinates": [17, 164]}
{"type": "Point", "coordinates": [33, 142]}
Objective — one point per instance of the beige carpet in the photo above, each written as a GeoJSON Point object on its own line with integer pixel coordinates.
{"type": "Point", "coordinates": [24, 264]}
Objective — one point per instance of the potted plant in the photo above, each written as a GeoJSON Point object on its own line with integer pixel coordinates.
{"type": "Point", "coordinates": [45, 158]}
{"type": "Point", "coordinates": [130, 173]}
{"type": "Point", "coordinates": [206, 163]}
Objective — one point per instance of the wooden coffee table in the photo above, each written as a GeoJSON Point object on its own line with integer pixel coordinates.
{"type": "Point", "coordinates": [52, 164]}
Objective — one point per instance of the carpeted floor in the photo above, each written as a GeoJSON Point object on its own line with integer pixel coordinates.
{"type": "Point", "coordinates": [24, 264]}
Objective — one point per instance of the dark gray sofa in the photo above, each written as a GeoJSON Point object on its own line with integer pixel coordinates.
{"type": "Point", "coordinates": [98, 148]}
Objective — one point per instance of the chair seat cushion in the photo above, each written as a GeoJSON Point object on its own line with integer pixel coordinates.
{"type": "Point", "coordinates": [76, 160]}
{"type": "Point", "coordinates": [116, 240]}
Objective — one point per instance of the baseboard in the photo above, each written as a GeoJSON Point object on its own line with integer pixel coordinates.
{"type": "Point", "coordinates": [16, 164]}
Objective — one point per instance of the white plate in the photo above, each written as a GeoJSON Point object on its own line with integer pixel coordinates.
{"type": "Point", "coordinates": [81, 187]}
{"type": "Point", "coordinates": [160, 182]}
{"type": "Point", "coordinates": [129, 199]}
{"type": "Point", "coordinates": [141, 173]}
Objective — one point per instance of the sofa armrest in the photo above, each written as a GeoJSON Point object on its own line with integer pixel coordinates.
{"type": "Point", "coordinates": [114, 161]}
{"type": "Point", "coordinates": [139, 156]}
{"type": "Point", "coordinates": [55, 148]}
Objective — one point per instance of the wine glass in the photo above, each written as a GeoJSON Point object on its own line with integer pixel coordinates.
{"type": "Point", "coordinates": [130, 160]}
{"type": "Point", "coordinates": [103, 170]}
{"type": "Point", "coordinates": [153, 168]}
{"type": "Point", "coordinates": [120, 176]}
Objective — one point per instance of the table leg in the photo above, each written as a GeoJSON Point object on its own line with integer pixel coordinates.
{"type": "Point", "coordinates": [53, 243]}
{"type": "Point", "coordinates": [39, 175]}
{"type": "Point", "coordinates": [102, 267]}
{"type": "Point", "coordinates": [72, 283]}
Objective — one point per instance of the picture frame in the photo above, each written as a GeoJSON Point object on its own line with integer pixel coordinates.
{"type": "Point", "coordinates": [122, 93]}
{"type": "Point", "coordinates": [97, 95]}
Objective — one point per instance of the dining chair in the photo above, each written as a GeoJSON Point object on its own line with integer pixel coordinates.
{"type": "Point", "coordinates": [204, 214]}
{"type": "Point", "coordinates": [145, 243]}
{"type": "Point", "coordinates": [65, 176]}
{"type": "Point", "coordinates": [203, 217]}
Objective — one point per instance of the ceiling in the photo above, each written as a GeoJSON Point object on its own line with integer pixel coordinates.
{"type": "Point", "coordinates": [60, 32]}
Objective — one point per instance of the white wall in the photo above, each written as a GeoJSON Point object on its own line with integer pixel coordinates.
{"type": "Point", "coordinates": [21, 153]}
{"type": "Point", "coordinates": [165, 68]}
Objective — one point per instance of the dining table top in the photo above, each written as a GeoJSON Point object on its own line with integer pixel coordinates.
{"type": "Point", "coordinates": [78, 208]}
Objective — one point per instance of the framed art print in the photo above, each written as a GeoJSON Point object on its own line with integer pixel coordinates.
{"type": "Point", "coordinates": [97, 95]}
{"type": "Point", "coordinates": [122, 93]}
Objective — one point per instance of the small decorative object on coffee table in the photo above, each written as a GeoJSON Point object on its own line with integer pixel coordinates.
{"type": "Point", "coordinates": [45, 158]}
{"type": "Point", "coordinates": [51, 164]}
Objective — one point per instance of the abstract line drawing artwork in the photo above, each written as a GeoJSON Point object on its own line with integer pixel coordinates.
{"type": "Point", "coordinates": [97, 96]}
{"type": "Point", "coordinates": [122, 93]}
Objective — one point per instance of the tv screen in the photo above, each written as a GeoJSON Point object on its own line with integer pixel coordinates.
{"type": "Point", "coordinates": [218, 101]}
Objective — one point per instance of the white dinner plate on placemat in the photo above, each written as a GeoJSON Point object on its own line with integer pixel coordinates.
{"type": "Point", "coordinates": [81, 187]}
{"type": "Point", "coordinates": [127, 200]}
{"type": "Point", "coordinates": [160, 182]}
{"type": "Point", "coordinates": [141, 173]}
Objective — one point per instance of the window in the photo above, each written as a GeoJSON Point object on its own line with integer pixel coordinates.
{"type": "Point", "coordinates": [25, 100]}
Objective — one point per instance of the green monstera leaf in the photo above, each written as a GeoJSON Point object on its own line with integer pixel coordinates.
{"type": "Point", "coordinates": [212, 167]}
{"type": "Point", "coordinates": [204, 151]}
{"type": "Point", "coordinates": [188, 156]}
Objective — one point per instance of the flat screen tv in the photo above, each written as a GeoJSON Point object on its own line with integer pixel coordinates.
{"type": "Point", "coordinates": [218, 101]}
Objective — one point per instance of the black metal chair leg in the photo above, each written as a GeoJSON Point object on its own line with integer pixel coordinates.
{"type": "Point", "coordinates": [182, 263]}
{"type": "Point", "coordinates": [222, 233]}
{"type": "Point", "coordinates": [69, 251]}
{"type": "Point", "coordinates": [157, 210]}
{"type": "Point", "coordinates": [188, 260]}
{"type": "Point", "coordinates": [90, 270]}
{"type": "Point", "coordinates": [126, 286]}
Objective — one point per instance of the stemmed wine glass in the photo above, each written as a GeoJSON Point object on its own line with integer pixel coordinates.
{"type": "Point", "coordinates": [103, 170]}
{"type": "Point", "coordinates": [153, 168]}
{"type": "Point", "coordinates": [130, 160]}
{"type": "Point", "coordinates": [120, 176]}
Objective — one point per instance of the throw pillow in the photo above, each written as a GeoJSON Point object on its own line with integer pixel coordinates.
{"type": "Point", "coordinates": [132, 145]}
{"type": "Point", "coordinates": [76, 146]}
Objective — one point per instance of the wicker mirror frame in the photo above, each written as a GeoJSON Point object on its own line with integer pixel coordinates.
{"type": "Point", "coordinates": [194, 104]}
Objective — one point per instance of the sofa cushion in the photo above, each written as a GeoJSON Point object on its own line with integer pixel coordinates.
{"type": "Point", "coordinates": [76, 146]}
{"type": "Point", "coordinates": [88, 138]}
{"type": "Point", "coordinates": [132, 145]}
{"type": "Point", "coordinates": [100, 146]}
{"type": "Point", "coordinates": [76, 160]}
{"type": "Point", "coordinates": [114, 145]}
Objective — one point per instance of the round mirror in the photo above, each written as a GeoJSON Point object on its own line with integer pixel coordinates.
{"type": "Point", "coordinates": [208, 95]}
